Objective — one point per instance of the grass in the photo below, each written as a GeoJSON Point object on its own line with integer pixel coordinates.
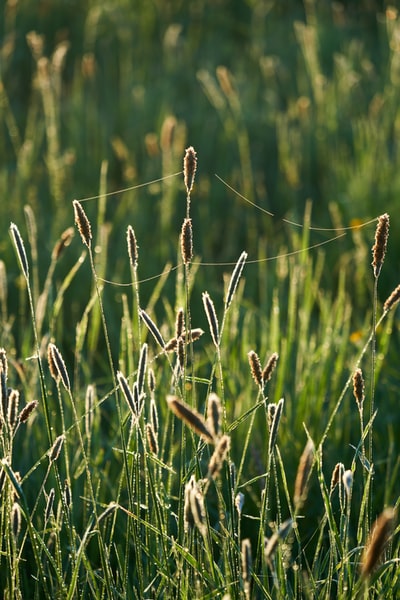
{"type": "Point", "coordinates": [147, 450]}
{"type": "Point", "coordinates": [182, 473]}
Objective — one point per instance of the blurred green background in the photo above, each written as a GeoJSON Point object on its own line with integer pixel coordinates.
{"type": "Point", "coordinates": [285, 100]}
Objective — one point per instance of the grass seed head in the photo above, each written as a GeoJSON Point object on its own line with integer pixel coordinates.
{"type": "Point", "coordinates": [392, 300]}
{"type": "Point", "coordinates": [152, 327]}
{"type": "Point", "coordinates": [189, 168]}
{"type": "Point", "coordinates": [57, 366]}
{"type": "Point", "coordinates": [20, 248]}
{"type": "Point", "coordinates": [12, 409]}
{"type": "Point", "coordinates": [152, 438]}
{"type": "Point", "coordinates": [234, 281]}
{"type": "Point", "coordinates": [246, 560]}
{"type": "Point", "coordinates": [379, 248]}
{"type": "Point", "coordinates": [255, 368]}
{"type": "Point", "coordinates": [132, 247]}
{"type": "Point", "coordinates": [191, 417]}
{"type": "Point", "coordinates": [336, 473]}
{"type": "Point", "coordinates": [269, 368]}
{"type": "Point", "coordinates": [214, 411]}
{"type": "Point", "coordinates": [187, 241]}
{"type": "Point", "coordinates": [303, 473]}
{"type": "Point", "coordinates": [55, 450]}
{"type": "Point", "coordinates": [218, 456]}
{"type": "Point", "coordinates": [211, 317]}
{"type": "Point", "coordinates": [62, 243]}
{"type": "Point", "coordinates": [376, 543]}
{"type": "Point", "coordinates": [82, 223]}
{"type": "Point", "coordinates": [126, 391]}
{"type": "Point", "coordinates": [27, 411]}
{"type": "Point", "coordinates": [358, 388]}
{"type": "Point", "coordinates": [275, 425]}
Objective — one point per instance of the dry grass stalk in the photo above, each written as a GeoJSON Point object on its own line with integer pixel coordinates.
{"type": "Point", "coordinates": [269, 367]}
{"type": "Point", "coordinates": [49, 504]}
{"type": "Point", "coordinates": [218, 457]}
{"type": "Point", "coordinates": [392, 300]}
{"type": "Point", "coordinates": [303, 473]}
{"type": "Point", "coordinates": [126, 390]}
{"type": "Point", "coordinates": [57, 366]}
{"type": "Point", "coordinates": [214, 411]}
{"type": "Point", "coordinates": [189, 168]}
{"type": "Point", "coordinates": [377, 540]}
{"type": "Point", "coordinates": [132, 247]}
{"type": "Point", "coordinates": [152, 327]}
{"type": "Point", "coordinates": [55, 450]}
{"type": "Point", "coordinates": [234, 281]}
{"type": "Point", "coordinates": [246, 560]}
{"type": "Point", "coordinates": [275, 425]}
{"type": "Point", "coordinates": [358, 388]}
{"type": "Point", "coordinates": [27, 411]}
{"type": "Point", "coordinates": [336, 473]}
{"type": "Point", "coordinates": [191, 417]}
{"type": "Point", "coordinates": [255, 367]}
{"type": "Point", "coordinates": [152, 438]}
{"type": "Point", "coordinates": [142, 367]}
{"type": "Point", "coordinates": [187, 241]}
{"type": "Point", "coordinates": [211, 317]}
{"type": "Point", "coordinates": [379, 248]}
{"type": "Point", "coordinates": [62, 243]}
{"type": "Point", "coordinates": [82, 223]}
{"type": "Point", "coordinates": [271, 544]}
{"type": "Point", "coordinates": [20, 248]}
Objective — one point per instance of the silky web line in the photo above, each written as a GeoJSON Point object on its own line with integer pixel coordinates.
{"type": "Point", "coordinates": [341, 231]}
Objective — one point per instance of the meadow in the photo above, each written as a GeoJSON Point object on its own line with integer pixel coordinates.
{"type": "Point", "coordinates": [199, 333]}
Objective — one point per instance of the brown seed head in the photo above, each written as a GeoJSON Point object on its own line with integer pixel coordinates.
{"type": "Point", "coordinates": [82, 223]}
{"type": "Point", "coordinates": [269, 367]}
{"type": "Point", "coordinates": [336, 473]}
{"type": "Point", "coordinates": [191, 417]}
{"type": "Point", "coordinates": [214, 410]}
{"type": "Point", "coordinates": [303, 473]}
{"type": "Point", "coordinates": [392, 300]}
{"type": "Point", "coordinates": [57, 366]}
{"type": "Point", "coordinates": [377, 540]}
{"type": "Point", "coordinates": [132, 247]}
{"type": "Point", "coordinates": [63, 242]}
{"type": "Point", "coordinates": [55, 450]}
{"type": "Point", "coordinates": [255, 367]}
{"type": "Point", "coordinates": [189, 168]}
{"type": "Point", "coordinates": [218, 456]}
{"type": "Point", "coordinates": [180, 322]}
{"type": "Point", "coordinates": [187, 241]}
{"type": "Point", "coordinates": [152, 438]}
{"type": "Point", "coordinates": [27, 411]}
{"type": "Point", "coordinates": [358, 387]}
{"type": "Point", "coordinates": [379, 248]}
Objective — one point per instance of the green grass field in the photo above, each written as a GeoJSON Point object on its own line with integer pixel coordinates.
{"type": "Point", "coordinates": [198, 362]}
